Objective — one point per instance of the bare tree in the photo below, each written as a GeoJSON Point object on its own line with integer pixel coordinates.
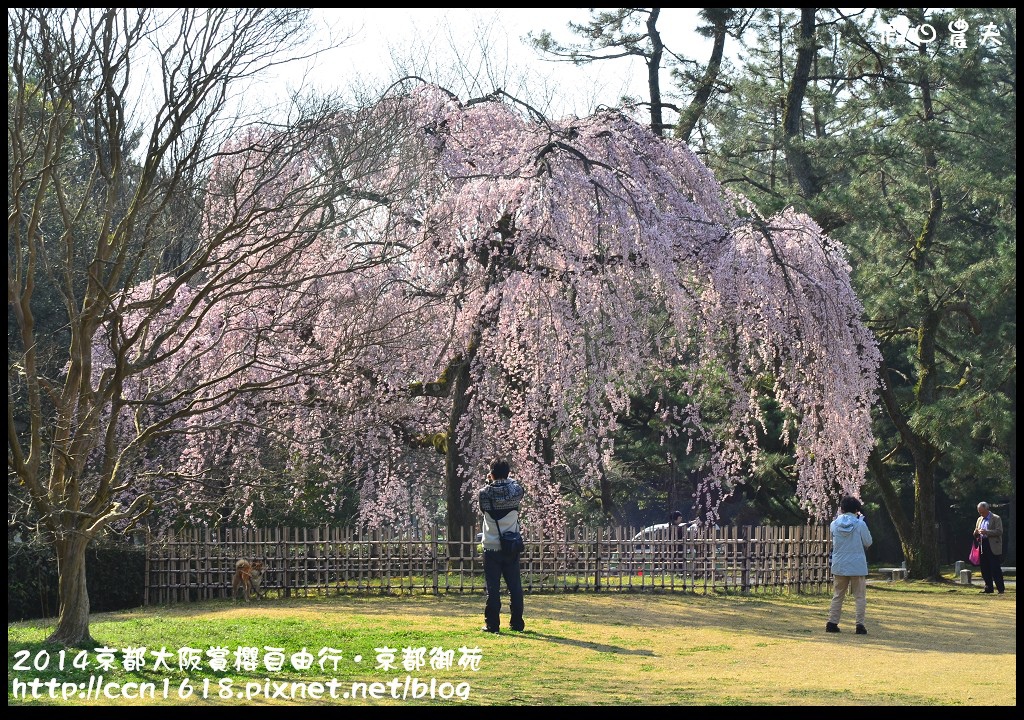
{"type": "Point", "coordinates": [104, 217]}
{"type": "Point", "coordinates": [470, 64]}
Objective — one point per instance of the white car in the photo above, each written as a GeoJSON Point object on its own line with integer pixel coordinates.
{"type": "Point", "coordinates": [661, 531]}
{"type": "Point", "coordinates": [651, 549]}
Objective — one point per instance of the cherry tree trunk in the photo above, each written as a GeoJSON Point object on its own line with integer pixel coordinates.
{"type": "Point", "coordinates": [460, 519]}
{"type": "Point", "coordinates": [73, 618]}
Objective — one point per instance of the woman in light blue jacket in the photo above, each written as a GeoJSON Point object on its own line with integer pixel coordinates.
{"type": "Point", "coordinates": [850, 537]}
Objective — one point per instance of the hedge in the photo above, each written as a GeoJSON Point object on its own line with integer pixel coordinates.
{"type": "Point", "coordinates": [115, 578]}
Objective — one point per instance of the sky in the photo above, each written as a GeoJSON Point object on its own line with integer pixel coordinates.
{"type": "Point", "coordinates": [377, 36]}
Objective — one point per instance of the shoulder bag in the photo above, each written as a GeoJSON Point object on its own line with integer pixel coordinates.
{"type": "Point", "coordinates": [511, 540]}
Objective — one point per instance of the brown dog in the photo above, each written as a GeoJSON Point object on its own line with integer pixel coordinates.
{"type": "Point", "coordinates": [256, 578]}
{"type": "Point", "coordinates": [248, 578]}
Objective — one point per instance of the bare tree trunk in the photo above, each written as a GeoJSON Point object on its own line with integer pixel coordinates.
{"type": "Point", "coordinates": [73, 618]}
{"type": "Point", "coordinates": [89, 221]}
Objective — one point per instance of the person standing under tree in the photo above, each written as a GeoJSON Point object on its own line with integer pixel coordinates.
{"type": "Point", "coordinates": [990, 530]}
{"type": "Point", "coordinates": [499, 502]}
{"type": "Point", "coordinates": [850, 538]}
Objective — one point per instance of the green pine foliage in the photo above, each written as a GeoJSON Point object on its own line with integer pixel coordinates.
{"type": "Point", "coordinates": [913, 148]}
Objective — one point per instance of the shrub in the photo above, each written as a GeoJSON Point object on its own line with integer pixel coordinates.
{"type": "Point", "coordinates": [114, 574]}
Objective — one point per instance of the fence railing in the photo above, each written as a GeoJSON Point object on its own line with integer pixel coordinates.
{"type": "Point", "coordinates": [198, 564]}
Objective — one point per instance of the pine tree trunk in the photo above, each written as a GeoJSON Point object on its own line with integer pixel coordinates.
{"type": "Point", "coordinates": [797, 157]}
{"type": "Point", "coordinates": [924, 564]}
{"type": "Point", "coordinates": [73, 619]}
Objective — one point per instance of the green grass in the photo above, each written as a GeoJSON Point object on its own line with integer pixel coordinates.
{"type": "Point", "coordinates": [579, 649]}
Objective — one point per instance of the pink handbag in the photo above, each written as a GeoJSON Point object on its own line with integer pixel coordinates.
{"type": "Point", "coordinates": [975, 556]}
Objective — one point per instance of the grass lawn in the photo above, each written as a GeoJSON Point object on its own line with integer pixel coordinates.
{"type": "Point", "coordinates": [925, 645]}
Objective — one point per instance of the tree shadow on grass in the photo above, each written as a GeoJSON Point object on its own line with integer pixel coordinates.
{"type": "Point", "coordinates": [898, 618]}
{"type": "Point", "coordinates": [901, 621]}
{"type": "Point", "coordinates": [584, 644]}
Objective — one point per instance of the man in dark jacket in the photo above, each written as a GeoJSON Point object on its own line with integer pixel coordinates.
{"type": "Point", "coordinates": [499, 502]}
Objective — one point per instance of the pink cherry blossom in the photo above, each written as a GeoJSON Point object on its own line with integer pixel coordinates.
{"type": "Point", "coordinates": [569, 263]}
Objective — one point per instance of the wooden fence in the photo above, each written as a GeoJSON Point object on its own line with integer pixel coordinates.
{"type": "Point", "coordinates": [198, 564]}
